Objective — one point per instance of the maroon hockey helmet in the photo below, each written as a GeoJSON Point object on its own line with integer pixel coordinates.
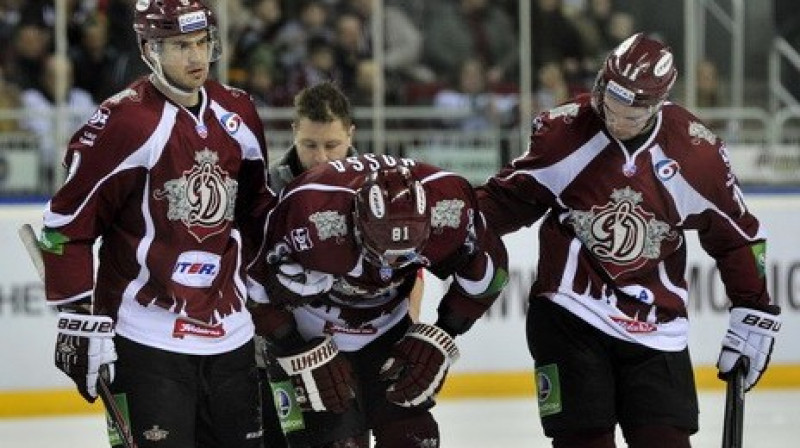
{"type": "Point", "coordinates": [640, 72]}
{"type": "Point", "coordinates": [157, 19]}
{"type": "Point", "coordinates": [392, 217]}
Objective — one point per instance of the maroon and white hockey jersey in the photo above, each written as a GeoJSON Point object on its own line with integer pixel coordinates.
{"type": "Point", "coordinates": [312, 225]}
{"type": "Point", "coordinates": [612, 247]}
{"type": "Point", "coordinates": [171, 197]}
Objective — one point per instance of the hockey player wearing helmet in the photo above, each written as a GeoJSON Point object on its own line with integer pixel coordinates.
{"type": "Point", "coordinates": [617, 177]}
{"type": "Point", "coordinates": [344, 244]}
{"type": "Point", "coordinates": [169, 177]}
{"type": "Point", "coordinates": [323, 131]}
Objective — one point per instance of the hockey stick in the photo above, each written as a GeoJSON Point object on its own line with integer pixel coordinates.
{"type": "Point", "coordinates": [734, 405]}
{"type": "Point", "coordinates": [28, 237]}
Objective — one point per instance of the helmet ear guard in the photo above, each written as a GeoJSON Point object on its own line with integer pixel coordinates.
{"type": "Point", "coordinates": [392, 218]}
{"type": "Point", "coordinates": [640, 72]}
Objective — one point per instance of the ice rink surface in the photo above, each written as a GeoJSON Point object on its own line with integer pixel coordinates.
{"type": "Point", "coordinates": [772, 420]}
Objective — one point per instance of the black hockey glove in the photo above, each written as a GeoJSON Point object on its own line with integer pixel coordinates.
{"type": "Point", "coordinates": [751, 333]}
{"type": "Point", "coordinates": [85, 343]}
{"type": "Point", "coordinates": [322, 377]}
{"type": "Point", "coordinates": [418, 365]}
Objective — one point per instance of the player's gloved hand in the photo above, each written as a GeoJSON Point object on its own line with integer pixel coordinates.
{"type": "Point", "coordinates": [293, 285]}
{"type": "Point", "coordinates": [84, 343]}
{"type": "Point", "coordinates": [322, 377]}
{"type": "Point", "coordinates": [418, 365]}
{"type": "Point", "coordinates": [751, 333]}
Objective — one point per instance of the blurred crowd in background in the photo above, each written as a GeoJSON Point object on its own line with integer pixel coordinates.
{"type": "Point", "coordinates": [447, 53]}
{"type": "Point", "coordinates": [444, 54]}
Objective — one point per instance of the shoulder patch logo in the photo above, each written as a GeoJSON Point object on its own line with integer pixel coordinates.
{"type": "Point", "coordinates": [699, 132]}
{"type": "Point", "coordinates": [446, 213]}
{"type": "Point", "coordinates": [100, 117]}
{"type": "Point", "coordinates": [567, 111]}
{"type": "Point", "coordinates": [301, 240]}
{"type": "Point", "coordinates": [330, 224]}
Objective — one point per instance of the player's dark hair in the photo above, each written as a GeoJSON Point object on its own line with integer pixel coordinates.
{"type": "Point", "coordinates": [324, 103]}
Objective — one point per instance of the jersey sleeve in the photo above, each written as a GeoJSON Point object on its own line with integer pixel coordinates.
{"type": "Point", "coordinates": [727, 230]}
{"type": "Point", "coordinates": [471, 252]}
{"type": "Point", "coordinates": [514, 197]}
{"type": "Point", "coordinates": [102, 168]}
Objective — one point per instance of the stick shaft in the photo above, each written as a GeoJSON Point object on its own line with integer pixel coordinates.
{"type": "Point", "coordinates": [733, 428]}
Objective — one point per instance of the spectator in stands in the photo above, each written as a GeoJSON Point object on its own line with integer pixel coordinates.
{"type": "Point", "coordinates": [24, 63]}
{"type": "Point", "coordinates": [97, 66]}
{"type": "Point", "coordinates": [266, 20]}
{"type": "Point", "coordinates": [351, 48]}
{"type": "Point", "coordinates": [555, 38]}
{"type": "Point", "coordinates": [294, 35]}
{"type": "Point", "coordinates": [402, 42]}
{"type": "Point", "coordinates": [9, 101]}
{"type": "Point", "coordinates": [320, 65]}
{"type": "Point", "coordinates": [262, 81]}
{"type": "Point", "coordinates": [486, 109]}
{"type": "Point", "coordinates": [40, 105]}
{"type": "Point", "coordinates": [466, 29]}
{"type": "Point", "coordinates": [593, 25]}
{"type": "Point", "coordinates": [119, 14]}
{"type": "Point", "coordinates": [709, 92]}
{"type": "Point", "coordinates": [553, 89]}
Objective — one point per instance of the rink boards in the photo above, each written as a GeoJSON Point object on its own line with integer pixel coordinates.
{"type": "Point", "coordinates": [494, 358]}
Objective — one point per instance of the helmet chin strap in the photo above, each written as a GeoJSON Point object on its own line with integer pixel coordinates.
{"type": "Point", "coordinates": [158, 71]}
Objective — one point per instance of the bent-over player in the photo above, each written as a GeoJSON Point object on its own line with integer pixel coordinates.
{"type": "Point", "coordinates": [344, 244]}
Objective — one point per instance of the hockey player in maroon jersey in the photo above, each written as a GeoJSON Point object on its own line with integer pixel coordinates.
{"type": "Point", "coordinates": [323, 131]}
{"type": "Point", "coordinates": [169, 176]}
{"type": "Point", "coordinates": [618, 176]}
{"type": "Point", "coordinates": [344, 244]}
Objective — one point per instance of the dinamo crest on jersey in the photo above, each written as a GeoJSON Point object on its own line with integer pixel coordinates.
{"type": "Point", "coordinates": [203, 198]}
{"type": "Point", "coordinates": [621, 233]}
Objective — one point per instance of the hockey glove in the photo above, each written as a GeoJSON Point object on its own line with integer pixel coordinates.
{"type": "Point", "coordinates": [322, 377]}
{"type": "Point", "coordinates": [418, 365]}
{"type": "Point", "coordinates": [85, 343]}
{"type": "Point", "coordinates": [751, 333]}
{"type": "Point", "coordinates": [292, 285]}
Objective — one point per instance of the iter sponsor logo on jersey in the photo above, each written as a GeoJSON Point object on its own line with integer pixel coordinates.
{"type": "Point", "coordinates": [203, 198]}
{"type": "Point", "coordinates": [196, 269]}
{"type": "Point", "coordinates": [621, 232]}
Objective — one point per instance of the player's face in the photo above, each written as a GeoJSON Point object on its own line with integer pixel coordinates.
{"type": "Point", "coordinates": [185, 59]}
{"type": "Point", "coordinates": [622, 121]}
{"type": "Point", "coordinates": [320, 142]}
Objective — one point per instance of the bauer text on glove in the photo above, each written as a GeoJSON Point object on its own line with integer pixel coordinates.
{"type": "Point", "coordinates": [85, 343]}
{"type": "Point", "coordinates": [751, 333]}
